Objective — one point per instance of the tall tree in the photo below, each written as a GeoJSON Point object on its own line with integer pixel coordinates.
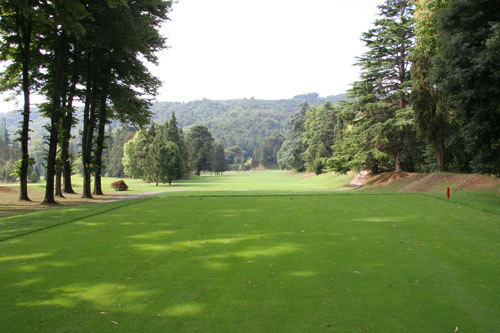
{"type": "Point", "coordinates": [65, 25]}
{"type": "Point", "coordinates": [174, 134]}
{"type": "Point", "coordinates": [428, 102]}
{"type": "Point", "coordinates": [381, 97]}
{"type": "Point", "coordinates": [319, 136]}
{"type": "Point", "coordinates": [468, 67]}
{"type": "Point", "coordinates": [219, 163]}
{"type": "Point", "coordinates": [291, 154]}
{"type": "Point", "coordinates": [19, 45]}
{"type": "Point", "coordinates": [200, 149]}
{"type": "Point", "coordinates": [125, 79]}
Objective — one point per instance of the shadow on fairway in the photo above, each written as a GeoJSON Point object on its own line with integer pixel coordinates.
{"type": "Point", "coordinates": [248, 264]}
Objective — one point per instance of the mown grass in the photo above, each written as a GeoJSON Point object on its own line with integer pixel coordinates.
{"type": "Point", "coordinates": [270, 180]}
{"type": "Point", "coordinates": [265, 251]}
{"type": "Point", "coordinates": [272, 263]}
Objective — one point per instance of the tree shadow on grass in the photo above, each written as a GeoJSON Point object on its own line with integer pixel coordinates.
{"type": "Point", "coordinates": [251, 264]}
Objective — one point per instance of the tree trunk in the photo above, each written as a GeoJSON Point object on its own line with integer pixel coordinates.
{"type": "Point", "coordinates": [439, 145]}
{"type": "Point", "coordinates": [399, 144]}
{"type": "Point", "coordinates": [67, 125]}
{"type": "Point", "coordinates": [88, 129]}
{"type": "Point", "coordinates": [100, 144]}
{"type": "Point", "coordinates": [59, 192]}
{"type": "Point", "coordinates": [24, 28]}
{"type": "Point", "coordinates": [61, 56]}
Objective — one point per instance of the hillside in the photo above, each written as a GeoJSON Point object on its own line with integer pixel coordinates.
{"type": "Point", "coordinates": [243, 122]}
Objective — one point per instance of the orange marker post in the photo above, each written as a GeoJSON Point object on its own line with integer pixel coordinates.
{"type": "Point", "coordinates": [448, 192]}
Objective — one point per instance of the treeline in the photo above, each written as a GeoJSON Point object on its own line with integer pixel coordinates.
{"type": "Point", "coordinates": [428, 98]}
{"type": "Point", "coordinates": [90, 51]}
{"type": "Point", "coordinates": [241, 122]}
{"type": "Point", "coordinates": [161, 154]}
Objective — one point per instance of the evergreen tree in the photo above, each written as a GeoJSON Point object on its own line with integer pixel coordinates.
{"type": "Point", "coordinates": [291, 154]}
{"type": "Point", "coordinates": [381, 97]}
{"type": "Point", "coordinates": [319, 136]}
{"type": "Point", "coordinates": [174, 134]}
{"type": "Point", "coordinates": [219, 163]}
{"type": "Point", "coordinates": [200, 149]}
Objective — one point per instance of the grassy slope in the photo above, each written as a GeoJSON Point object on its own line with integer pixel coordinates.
{"type": "Point", "coordinates": [435, 185]}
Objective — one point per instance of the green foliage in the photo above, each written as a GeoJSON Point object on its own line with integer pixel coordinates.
{"type": "Point", "coordinates": [219, 163]}
{"type": "Point", "coordinates": [199, 144]}
{"type": "Point", "coordinates": [266, 153]}
{"type": "Point", "coordinates": [467, 71]}
{"type": "Point", "coordinates": [119, 137]}
{"type": "Point", "coordinates": [291, 154]}
{"type": "Point", "coordinates": [319, 135]}
{"type": "Point", "coordinates": [150, 155]}
{"type": "Point", "coordinates": [240, 122]}
{"type": "Point", "coordinates": [34, 176]}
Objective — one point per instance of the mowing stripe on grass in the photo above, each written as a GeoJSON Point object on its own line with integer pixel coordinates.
{"type": "Point", "coordinates": [78, 218]}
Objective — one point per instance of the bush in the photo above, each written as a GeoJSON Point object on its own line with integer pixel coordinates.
{"type": "Point", "coordinates": [119, 185]}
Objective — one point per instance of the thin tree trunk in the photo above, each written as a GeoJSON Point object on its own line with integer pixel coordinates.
{"type": "Point", "coordinates": [59, 192]}
{"type": "Point", "coordinates": [440, 152]}
{"type": "Point", "coordinates": [25, 29]}
{"type": "Point", "coordinates": [60, 69]}
{"type": "Point", "coordinates": [88, 129]}
{"type": "Point", "coordinates": [100, 144]}
{"type": "Point", "coordinates": [399, 144]}
{"type": "Point", "coordinates": [67, 125]}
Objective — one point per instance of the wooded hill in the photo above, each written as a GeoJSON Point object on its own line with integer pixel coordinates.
{"type": "Point", "coordinates": [242, 122]}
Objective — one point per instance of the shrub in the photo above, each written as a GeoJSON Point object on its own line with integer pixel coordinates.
{"type": "Point", "coordinates": [119, 185]}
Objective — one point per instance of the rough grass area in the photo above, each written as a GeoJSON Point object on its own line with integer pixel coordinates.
{"type": "Point", "coordinates": [284, 263]}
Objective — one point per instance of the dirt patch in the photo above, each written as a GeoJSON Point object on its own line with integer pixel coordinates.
{"type": "Point", "coordinates": [5, 189]}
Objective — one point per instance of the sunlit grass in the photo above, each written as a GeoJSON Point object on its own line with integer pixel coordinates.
{"type": "Point", "coordinates": [255, 263]}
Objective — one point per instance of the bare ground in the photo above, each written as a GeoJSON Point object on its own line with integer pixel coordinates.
{"type": "Point", "coordinates": [10, 205]}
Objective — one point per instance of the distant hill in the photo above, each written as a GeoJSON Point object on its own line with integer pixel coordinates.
{"type": "Point", "coordinates": [244, 122]}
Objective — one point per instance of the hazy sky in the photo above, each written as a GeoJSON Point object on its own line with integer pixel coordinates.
{"type": "Point", "coordinates": [269, 49]}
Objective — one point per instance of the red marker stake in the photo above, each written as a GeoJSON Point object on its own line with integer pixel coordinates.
{"type": "Point", "coordinates": [448, 192]}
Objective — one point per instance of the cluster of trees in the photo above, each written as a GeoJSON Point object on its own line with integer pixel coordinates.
{"type": "Point", "coordinates": [266, 153]}
{"type": "Point", "coordinates": [92, 51]}
{"type": "Point", "coordinates": [427, 100]}
{"type": "Point", "coordinates": [161, 154]}
{"type": "Point", "coordinates": [157, 155]}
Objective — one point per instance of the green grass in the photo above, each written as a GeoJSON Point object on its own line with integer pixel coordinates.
{"type": "Point", "coordinates": [256, 261]}
{"type": "Point", "coordinates": [269, 180]}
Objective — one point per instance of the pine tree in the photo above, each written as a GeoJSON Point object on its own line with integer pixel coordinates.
{"type": "Point", "coordinates": [381, 97]}
{"type": "Point", "coordinates": [219, 163]}
{"type": "Point", "coordinates": [200, 149]}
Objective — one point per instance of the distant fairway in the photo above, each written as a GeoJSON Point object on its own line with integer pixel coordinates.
{"type": "Point", "coordinates": [252, 262]}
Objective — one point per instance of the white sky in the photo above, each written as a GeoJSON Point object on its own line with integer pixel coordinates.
{"type": "Point", "coordinates": [267, 49]}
